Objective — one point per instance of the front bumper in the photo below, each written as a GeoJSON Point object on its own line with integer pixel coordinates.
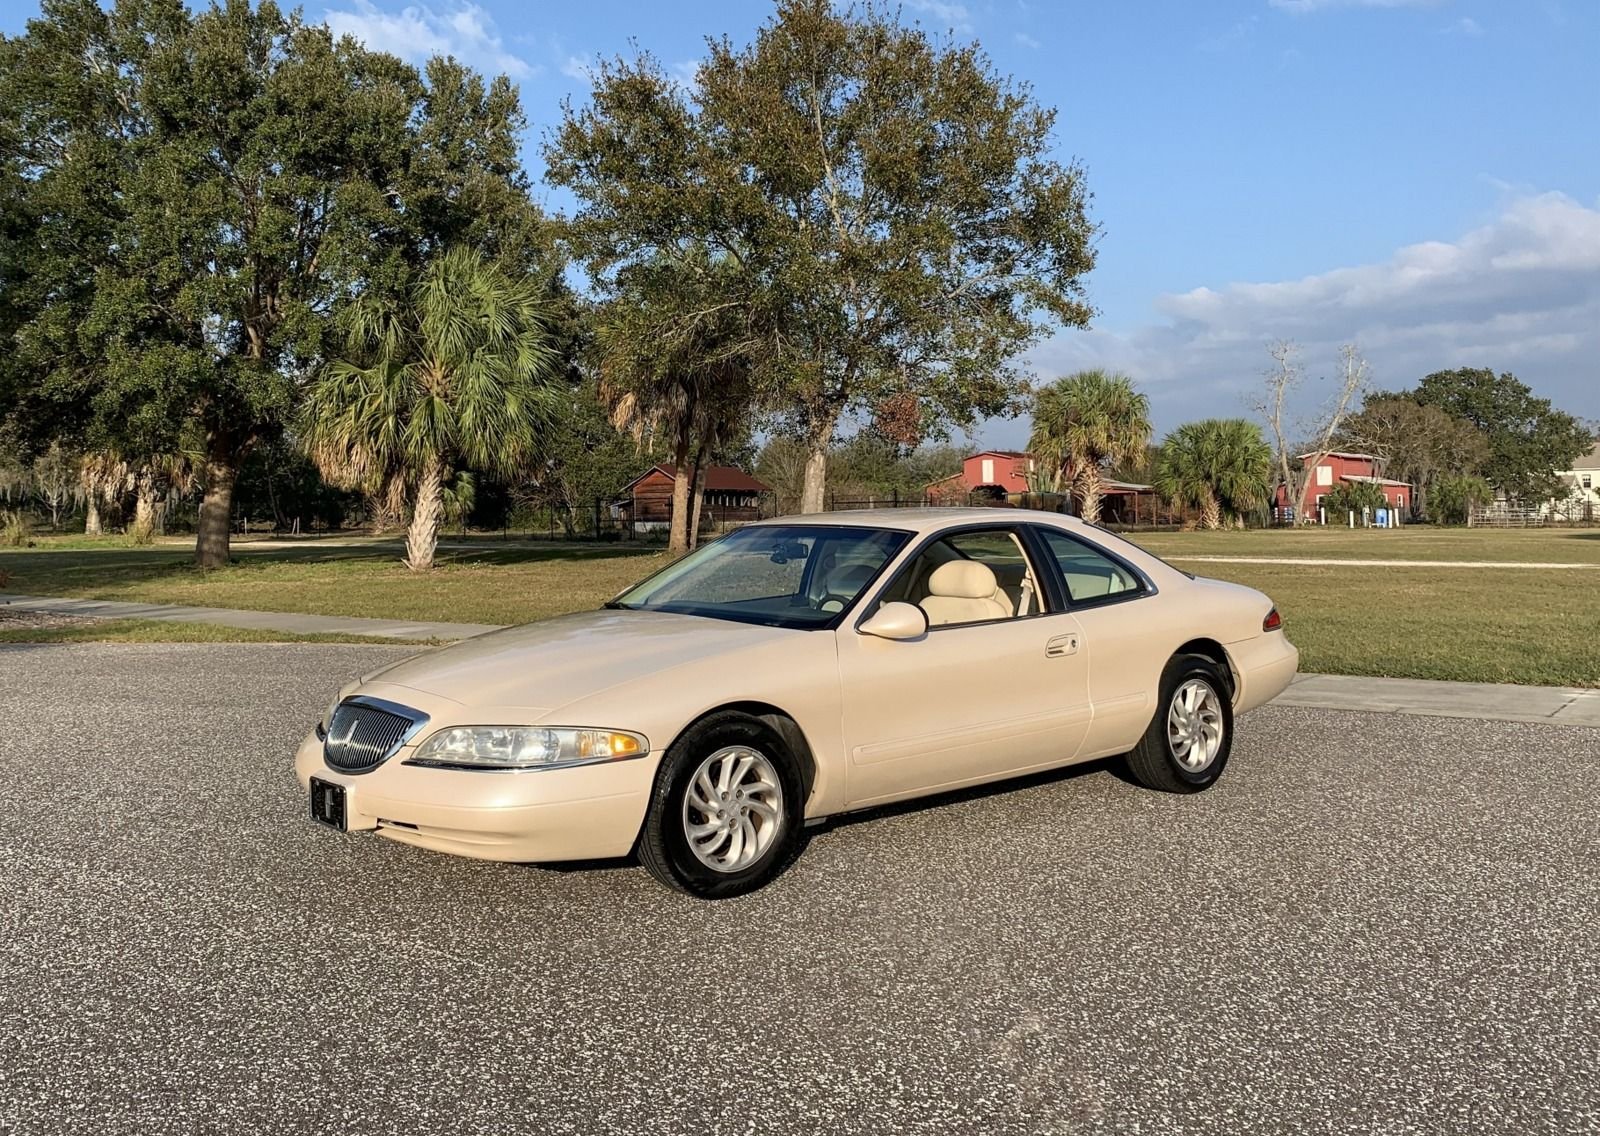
{"type": "Point", "coordinates": [587, 812]}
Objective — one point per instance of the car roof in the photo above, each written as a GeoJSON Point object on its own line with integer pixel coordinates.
{"type": "Point", "coordinates": [918, 519]}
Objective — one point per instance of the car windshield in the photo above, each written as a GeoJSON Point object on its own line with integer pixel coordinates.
{"type": "Point", "coordinates": [781, 575]}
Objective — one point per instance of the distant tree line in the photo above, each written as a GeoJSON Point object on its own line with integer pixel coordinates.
{"type": "Point", "coordinates": [248, 268]}
{"type": "Point", "coordinates": [235, 250]}
{"type": "Point", "coordinates": [1460, 437]}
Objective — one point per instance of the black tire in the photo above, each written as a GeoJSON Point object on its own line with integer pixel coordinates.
{"type": "Point", "coordinates": [664, 847]}
{"type": "Point", "coordinates": [1153, 762]}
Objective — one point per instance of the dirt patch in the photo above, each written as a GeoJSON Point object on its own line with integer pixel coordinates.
{"type": "Point", "coordinates": [13, 619]}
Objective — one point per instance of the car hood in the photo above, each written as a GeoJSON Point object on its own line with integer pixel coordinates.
{"type": "Point", "coordinates": [543, 666]}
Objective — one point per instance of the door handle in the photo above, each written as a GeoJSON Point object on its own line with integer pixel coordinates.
{"type": "Point", "coordinates": [1061, 645]}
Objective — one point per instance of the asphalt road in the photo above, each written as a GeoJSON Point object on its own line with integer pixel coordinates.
{"type": "Point", "coordinates": [1374, 924]}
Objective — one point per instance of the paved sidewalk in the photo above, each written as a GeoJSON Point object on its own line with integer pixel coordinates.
{"type": "Point", "coordinates": [1334, 561]}
{"type": "Point", "coordinates": [292, 622]}
{"type": "Point", "coordinates": [1501, 702]}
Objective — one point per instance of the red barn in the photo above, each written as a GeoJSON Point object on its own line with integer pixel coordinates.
{"type": "Point", "coordinates": [1325, 471]}
{"type": "Point", "coordinates": [999, 472]}
{"type": "Point", "coordinates": [1001, 476]}
{"type": "Point", "coordinates": [730, 495]}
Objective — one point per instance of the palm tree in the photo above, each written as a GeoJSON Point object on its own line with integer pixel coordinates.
{"type": "Point", "coordinates": [678, 357]}
{"type": "Point", "coordinates": [461, 373]}
{"type": "Point", "coordinates": [1084, 421]}
{"type": "Point", "coordinates": [1217, 465]}
{"type": "Point", "coordinates": [102, 476]}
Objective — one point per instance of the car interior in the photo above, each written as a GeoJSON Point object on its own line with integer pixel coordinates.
{"type": "Point", "coordinates": [1088, 574]}
{"type": "Point", "coordinates": [969, 578]}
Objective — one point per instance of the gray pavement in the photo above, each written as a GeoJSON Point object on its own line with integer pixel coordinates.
{"type": "Point", "coordinates": [1375, 923]}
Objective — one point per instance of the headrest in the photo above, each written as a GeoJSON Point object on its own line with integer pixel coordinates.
{"type": "Point", "coordinates": [850, 579]}
{"type": "Point", "coordinates": [963, 579]}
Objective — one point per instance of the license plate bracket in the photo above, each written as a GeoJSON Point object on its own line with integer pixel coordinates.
{"type": "Point", "coordinates": [328, 804]}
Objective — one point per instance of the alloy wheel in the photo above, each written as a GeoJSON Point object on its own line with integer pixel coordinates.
{"type": "Point", "coordinates": [1195, 725]}
{"type": "Point", "coordinates": [733, 808]}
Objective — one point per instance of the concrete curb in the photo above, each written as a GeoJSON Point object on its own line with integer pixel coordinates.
{"type": "Point", "coordinates": [1500, 702]}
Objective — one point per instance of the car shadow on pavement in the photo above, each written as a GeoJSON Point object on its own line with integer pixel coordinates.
{"type": "Point", "coordinates": [1112, 765]}
{"type": "Point", "coordinates": [1115, 766]}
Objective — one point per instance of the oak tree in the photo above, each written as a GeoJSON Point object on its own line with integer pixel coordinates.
{"type": "Point", "coordinates": [1529, 440]}
{"type": "Point", "coordinates": [893, 205]}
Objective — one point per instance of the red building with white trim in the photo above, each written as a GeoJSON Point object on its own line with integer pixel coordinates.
{"type": "Point", "coordinates": [730, 494]}
{"type": "Point", "coordinates": [1001, 472]}
{"type": "Point", "coordinates": [1337, 467]}
{"type": "Point", "coordinates": [997, 476]}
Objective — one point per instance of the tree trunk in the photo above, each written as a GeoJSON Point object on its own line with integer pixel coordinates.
{"type": "Point", "coordinates": [1211, 511]}
{"type": "Point", "coordinates": [814, 488]}
{"type": "Point", "coordinates": [678, 537]}
{"type": "Point", "coordinates": [144, 503]}
{"type": "Point", "coordinates": [1089, 493]}
{"type": "Point", "coordinates": [91, 514]}
{"type": "Point", "coordinates": [216, 511]}
{"type": "Point", "coordinates": [697, 488]}
{"type": "Point", "coordinates": [423, 535]}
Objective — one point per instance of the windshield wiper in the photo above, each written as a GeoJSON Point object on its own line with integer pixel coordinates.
{"type": "Point", "coordinates": [615, 605]}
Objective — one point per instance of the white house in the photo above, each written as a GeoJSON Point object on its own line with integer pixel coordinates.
{"type": "Point", "coordinates": [1582, 484]}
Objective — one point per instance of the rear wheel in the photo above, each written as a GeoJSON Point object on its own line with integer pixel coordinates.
{"type": "Point", "coordinates": [1191, 734]}
{"type": "Point", "coordinates": [726, 814]}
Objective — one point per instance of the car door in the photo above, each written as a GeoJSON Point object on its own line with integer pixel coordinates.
{"type": "Point", "coordinates": [968, 701]}
{"type": "Point", "coordinates": [1125, 643]}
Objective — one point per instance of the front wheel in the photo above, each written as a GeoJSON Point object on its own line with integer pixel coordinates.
{"type": "Point", "coordinates": [1191, 735]}
{"type": "Point", "coordinates": [727, 812]}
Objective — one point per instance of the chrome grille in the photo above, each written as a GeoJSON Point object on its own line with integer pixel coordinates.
{"type": "Point", "coordinates": [364, 732]}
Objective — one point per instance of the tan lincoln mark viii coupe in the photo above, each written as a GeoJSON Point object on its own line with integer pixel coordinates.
{"type": "Point", "coordinates": [792, 670]}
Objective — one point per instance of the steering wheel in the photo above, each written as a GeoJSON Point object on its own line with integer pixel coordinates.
{"type": "Point", "coordinates": [852, 577]}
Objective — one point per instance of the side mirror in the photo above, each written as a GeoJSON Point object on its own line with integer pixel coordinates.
{"type": "Point", "coordinates": [897, 621]}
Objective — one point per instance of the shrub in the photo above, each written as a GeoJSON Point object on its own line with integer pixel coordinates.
{"type": "Point", "coordinates": [1454, 495]}
{"type": "Point", "coordinates": [1353, 496]}
{"type": "Point", "coordinates": [14, 528]}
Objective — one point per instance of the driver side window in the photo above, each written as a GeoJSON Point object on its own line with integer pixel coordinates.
{"type": "Point", "coordinates": [970, 578]}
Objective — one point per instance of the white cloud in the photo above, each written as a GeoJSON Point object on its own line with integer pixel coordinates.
{"type": "Point", "coordinates": [953, 16]}
{"type": "Point", "coordinates": [417, 31]}
{"type": "Point", "coordinates": [1028, 41]}
{"type": "Point", "coordinates": [1466, 26]}
{"type": "Point", "coordinates": [1521, 293]}
{"type": "Point", "coordinates": [1236, 35]}
{"type": "Point", "coordinates": [579, 67]}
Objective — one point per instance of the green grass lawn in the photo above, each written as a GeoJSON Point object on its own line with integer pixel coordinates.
{"type": "Point", "coordinates": [1481, 624]}
{"type": "Point", "coordinates": [1418, 542]}
{"type": "Point", "coordinates": [486, 584]}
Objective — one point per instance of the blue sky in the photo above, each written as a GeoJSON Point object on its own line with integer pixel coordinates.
{"type": "Point", "coordinates": [1421, 177]}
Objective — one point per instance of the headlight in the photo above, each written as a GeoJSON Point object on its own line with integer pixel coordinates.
{"type": "Point", "coordinates": [526, 747]}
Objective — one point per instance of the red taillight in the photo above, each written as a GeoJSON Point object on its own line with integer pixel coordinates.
{"type": "Point", "coordinates": [1273, 622]}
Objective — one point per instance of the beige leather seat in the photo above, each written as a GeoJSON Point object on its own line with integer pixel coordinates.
{"type": "Point", "coordinates": [964, 591]}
